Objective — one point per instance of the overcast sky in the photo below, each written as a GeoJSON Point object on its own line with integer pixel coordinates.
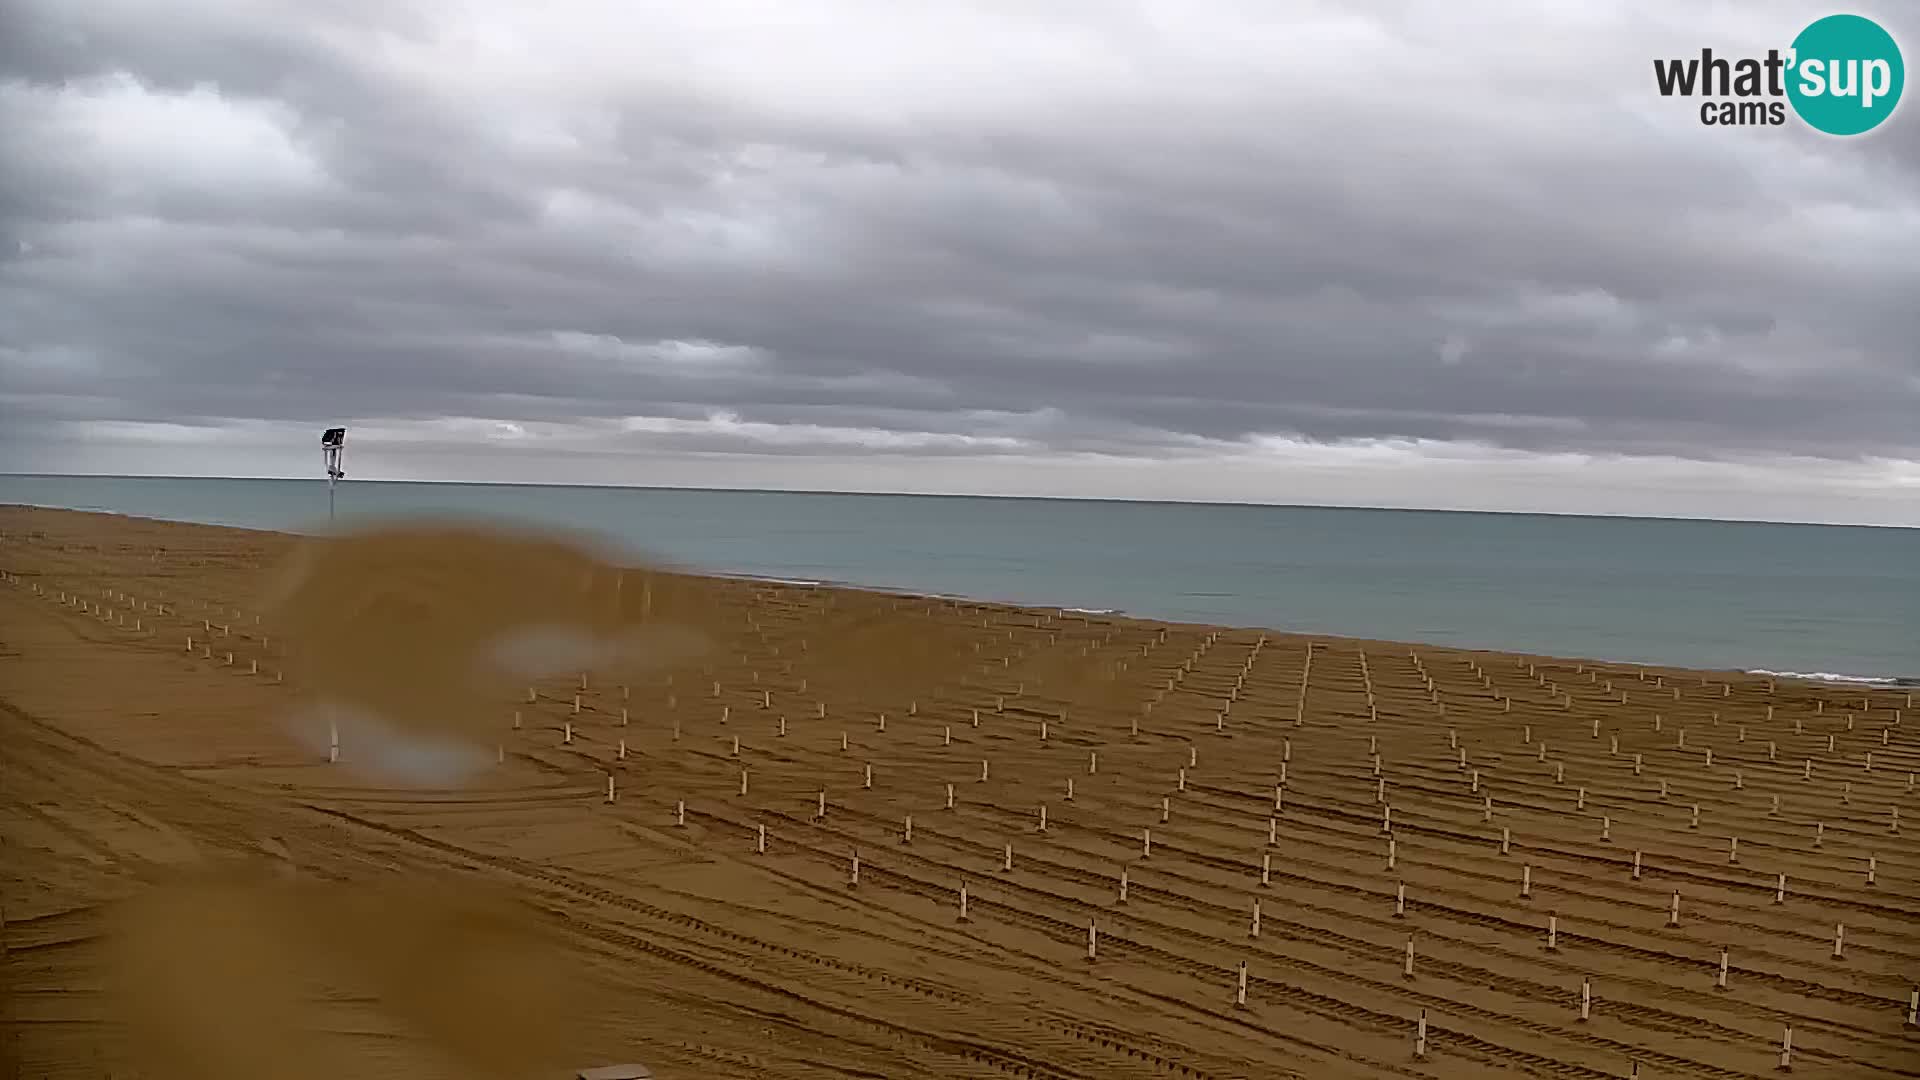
{"type": "Point", "coordinates": [1388, 252]}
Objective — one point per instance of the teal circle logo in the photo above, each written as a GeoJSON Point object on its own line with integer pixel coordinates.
{"type": "Point", "coordinates": [1846, 75]}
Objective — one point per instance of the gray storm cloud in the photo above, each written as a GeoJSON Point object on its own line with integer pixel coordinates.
{"type": "Point", "coordinates": [986, 246]}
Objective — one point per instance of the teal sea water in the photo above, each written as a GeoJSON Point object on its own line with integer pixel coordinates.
{"type": "Point", "coordinates": [1811, 599]}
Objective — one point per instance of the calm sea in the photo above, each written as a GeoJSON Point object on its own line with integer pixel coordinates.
{"type": "Point", "coordinates": [1786, 598]}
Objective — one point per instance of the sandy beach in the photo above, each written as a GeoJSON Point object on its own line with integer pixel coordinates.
{"type": "Point", "coordinates": [1383, 804]}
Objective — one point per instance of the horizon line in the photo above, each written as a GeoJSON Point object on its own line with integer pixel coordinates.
{"type": "Point", "coordinates": [967, 495]}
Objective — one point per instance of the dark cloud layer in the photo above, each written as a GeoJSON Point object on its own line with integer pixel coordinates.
{"type": "Point", "coordinates": [980, 233]}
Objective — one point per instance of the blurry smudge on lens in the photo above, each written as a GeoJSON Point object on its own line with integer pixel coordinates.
{"type": "Point", "coordinates": [384, 751]}
{"type": "Point", "coordinates": [425, 627]}
{"type": "Point", "coordinates": [536, 652]}
{"type": "Point", "coordinates": [404, 641]}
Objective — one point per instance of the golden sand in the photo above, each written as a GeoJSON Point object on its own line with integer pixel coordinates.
{"type": "Point", "coordinates": [191, 888]}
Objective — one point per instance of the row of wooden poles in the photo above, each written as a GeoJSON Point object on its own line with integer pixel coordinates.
{"type": "Point", "coordinates": [1240, 993]}
{"type": "Point", "coordinates": [1605, 821]}
{"type": "Point", "coordinates": [1212, 638]}
{"type": "Point", "coordinates": [1408, 963]}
